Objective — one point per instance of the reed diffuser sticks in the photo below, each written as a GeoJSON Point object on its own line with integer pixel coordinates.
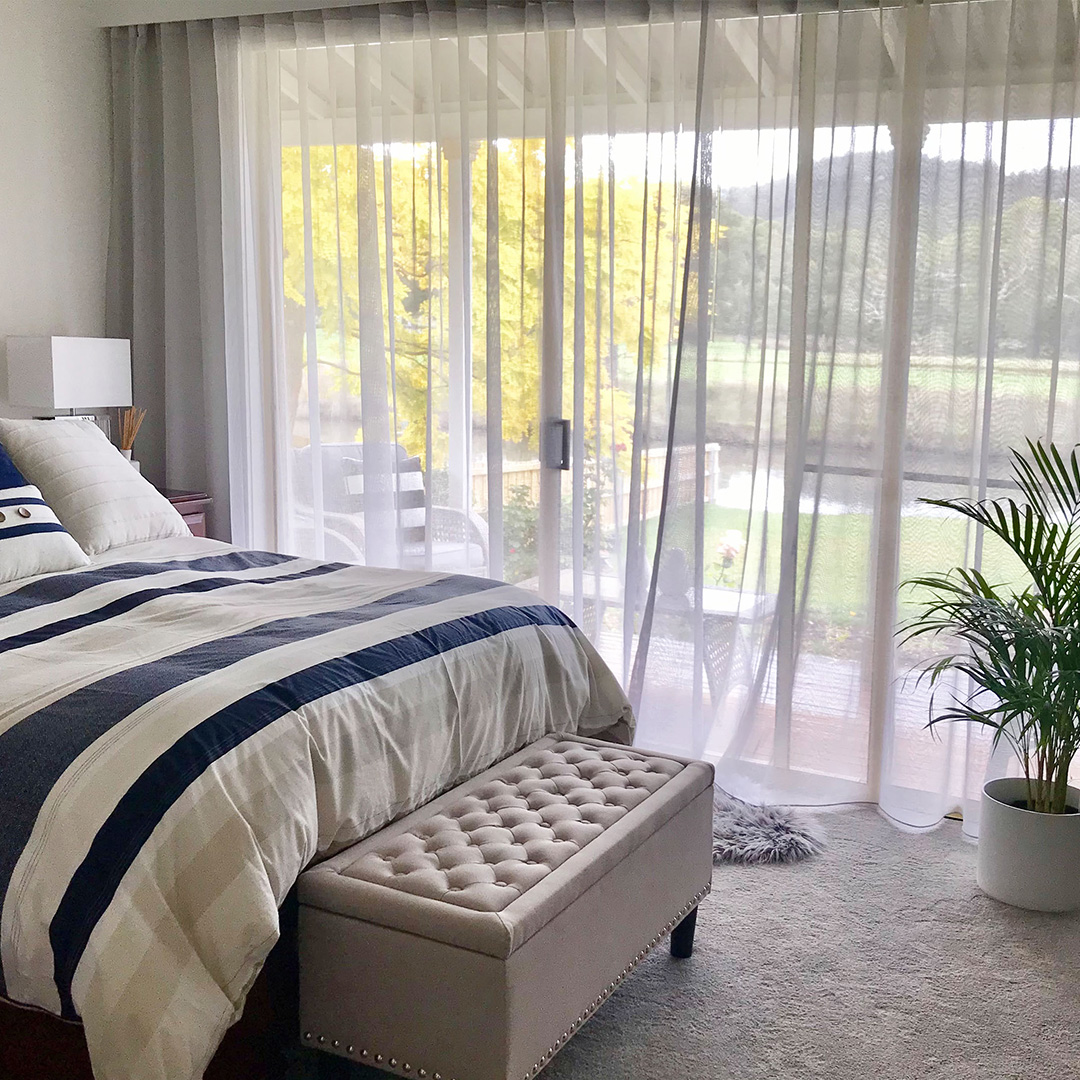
{"type": "Point", "coordinates": [130, 422]}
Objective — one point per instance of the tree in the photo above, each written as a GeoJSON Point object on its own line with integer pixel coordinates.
{"type": "Point", "coordinates": [411, 194]}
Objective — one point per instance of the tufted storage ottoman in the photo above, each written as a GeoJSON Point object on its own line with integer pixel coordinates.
{"type": "Point", "coordinates": [472, 938]}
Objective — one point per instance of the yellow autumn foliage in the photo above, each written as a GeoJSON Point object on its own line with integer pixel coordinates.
{"type": "Point", "coordinates": [333, 269]}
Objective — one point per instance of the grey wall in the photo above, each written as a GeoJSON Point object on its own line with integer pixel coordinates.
{"type": "Point", "coordinates": [54, 172]}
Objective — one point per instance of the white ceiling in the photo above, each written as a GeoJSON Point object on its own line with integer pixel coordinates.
{"type": "Point", "coordinates": [127, 12]}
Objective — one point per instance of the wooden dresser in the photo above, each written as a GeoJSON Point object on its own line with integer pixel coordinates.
{"type": "Point", "coordinates": [192, 507]}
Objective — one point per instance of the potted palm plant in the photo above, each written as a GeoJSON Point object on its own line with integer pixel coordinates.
{"type": "Point", "coordinates": [1016, 650]}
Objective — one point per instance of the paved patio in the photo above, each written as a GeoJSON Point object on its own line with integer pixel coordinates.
{"type": "Point", "coordinates": [830, 728]}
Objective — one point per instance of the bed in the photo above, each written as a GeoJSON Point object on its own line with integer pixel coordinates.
{"type": "Point", "coordinates": [184, 727]}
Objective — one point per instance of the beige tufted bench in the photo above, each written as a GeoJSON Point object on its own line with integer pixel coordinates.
{"type": "Point", "coordinates": [472, 938]}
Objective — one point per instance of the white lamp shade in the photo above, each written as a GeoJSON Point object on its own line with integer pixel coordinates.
{"type": "Point", "coordinates": [69, 372]}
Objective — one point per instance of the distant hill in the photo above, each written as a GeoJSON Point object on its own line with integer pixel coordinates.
{"type": "Point", "coordinates": [940, 185]}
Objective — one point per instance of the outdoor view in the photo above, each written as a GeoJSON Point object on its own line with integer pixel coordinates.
{"type": "Point", "coordinates": [626, 201]}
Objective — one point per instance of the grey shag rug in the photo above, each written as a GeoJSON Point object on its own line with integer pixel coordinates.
{"type": "Point", "coordinates": [746, 833]}
{"type": "Point", "coordinates": [880, 958]}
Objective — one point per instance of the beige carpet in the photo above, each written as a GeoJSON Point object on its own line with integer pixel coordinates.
{"type": "Point", "coordinates": [878, 960]}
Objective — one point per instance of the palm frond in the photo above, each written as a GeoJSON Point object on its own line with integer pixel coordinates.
{"type": "Point", "coordinates": [1017, 651]}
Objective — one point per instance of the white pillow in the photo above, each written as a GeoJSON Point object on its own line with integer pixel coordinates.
{"type": "Point", "coordinates": [100, 499]}
{"type": "Point", "coordinates": [32, 541]}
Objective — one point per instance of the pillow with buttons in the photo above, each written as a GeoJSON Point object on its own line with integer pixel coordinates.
{"type": "Point", "coordinates": [102, 501]}
{"type": "Point", "coordinates": [32, 540]}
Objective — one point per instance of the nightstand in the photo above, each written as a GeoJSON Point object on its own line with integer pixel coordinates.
{"type": "Point", "coordinates": [192, 507]}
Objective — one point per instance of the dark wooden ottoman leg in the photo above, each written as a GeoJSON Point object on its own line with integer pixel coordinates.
{"type": "Point", "coordinates": [331, 1067]}
{"type": "Point", "coordinates": [682, 937]}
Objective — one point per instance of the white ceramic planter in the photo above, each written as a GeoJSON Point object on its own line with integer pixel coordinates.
{"type": "Point", "coordinates": [1027, 859]}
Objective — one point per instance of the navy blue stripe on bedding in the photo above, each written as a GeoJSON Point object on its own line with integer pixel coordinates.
{"type": "Point", "coordinates": [23, 502]}
{"type": "Point", "coordinates": [35, 752]}
{"type": "Point", "coordinates": [56, 587]}
{"type": "Point", "coordinates": [120, 839]}
{"type": "Point", "coordinates": [125, 604]}
{"type": "Point", "coordinates": [7, 533]}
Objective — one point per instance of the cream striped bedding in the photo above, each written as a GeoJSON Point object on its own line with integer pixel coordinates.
{"type": "Point", "coordinates": [184, 730]}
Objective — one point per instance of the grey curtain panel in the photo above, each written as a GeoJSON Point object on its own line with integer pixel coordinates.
{"type": "Point", "coordinates": [165, 288]}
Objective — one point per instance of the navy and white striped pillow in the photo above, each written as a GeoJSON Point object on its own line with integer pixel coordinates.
{"type": "Point", "coordinates": [32, 541]}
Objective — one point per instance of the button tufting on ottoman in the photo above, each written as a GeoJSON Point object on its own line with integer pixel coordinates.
{"type": "Point", "coordinates": [471, 938]}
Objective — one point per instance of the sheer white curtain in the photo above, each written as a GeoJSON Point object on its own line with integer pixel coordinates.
{"type": "Point", "coordinates": [909, 257]}
{"type": "Point", "coordinates": [454, 226]}
{"type": "Point", "coordinates": [670, 314]}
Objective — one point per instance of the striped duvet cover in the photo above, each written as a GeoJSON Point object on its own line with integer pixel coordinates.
{"type": "Point", "coordinates": [183, 732]}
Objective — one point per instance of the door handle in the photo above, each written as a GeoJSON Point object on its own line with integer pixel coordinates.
{"type": "Point", "coordinates": [556, 440]}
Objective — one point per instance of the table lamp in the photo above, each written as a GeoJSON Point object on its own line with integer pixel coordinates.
{"type": "Point", "coordinates": [69, 372]}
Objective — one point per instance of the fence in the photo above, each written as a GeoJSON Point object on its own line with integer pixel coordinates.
{"type": "Point", "coordinates": [526, 474]}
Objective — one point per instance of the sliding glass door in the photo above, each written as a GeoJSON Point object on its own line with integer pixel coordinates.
{"type": "Point", "coordinates": [671, 314]}
{"type": "Point", "coordinates": [477, 256]}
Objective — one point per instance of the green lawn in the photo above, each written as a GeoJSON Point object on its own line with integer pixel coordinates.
{"type": "Point", "coordinates": [733, 365]}
{"type": "Point", "coordinates": [841, 565]}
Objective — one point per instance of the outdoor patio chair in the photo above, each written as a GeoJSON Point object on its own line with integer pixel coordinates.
{"type": "Point", "coordinates": [458, 538]}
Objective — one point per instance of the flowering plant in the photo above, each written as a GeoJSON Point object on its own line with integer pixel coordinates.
{"type": "Point", "coordinates": [728, 551]}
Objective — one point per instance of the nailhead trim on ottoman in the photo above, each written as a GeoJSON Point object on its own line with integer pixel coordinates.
{"type": "Point", "coordinates": [516, 902]}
